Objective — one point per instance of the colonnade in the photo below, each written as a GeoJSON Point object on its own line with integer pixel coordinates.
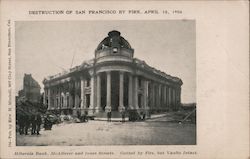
{"type": "Point", "coordinates": [58, 97]}
{"type": "Point", "coordinates": [146, 95]}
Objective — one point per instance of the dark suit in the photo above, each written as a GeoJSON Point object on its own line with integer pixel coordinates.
{"type": "Point", "coordinates": [38, 123]}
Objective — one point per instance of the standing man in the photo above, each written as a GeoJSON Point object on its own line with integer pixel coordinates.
{"type": "Point", "coordinates": [38, 123]}
{"type": "Point", "coordinates": [21, 123]}
{"type": "Point", "coordinates": [144, 116]}
{"type": "Point", "coordinates": [109, 115]}
{"type": "Point", "coordinates": [123, 115]}
{"type": "Point", "coordinates": [33, 124]}
{"type": "Point", "coordinates": [26, 123]}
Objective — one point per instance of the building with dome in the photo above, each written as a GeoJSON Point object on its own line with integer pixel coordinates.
{"type": "Point", "coordinates": [112, 81]}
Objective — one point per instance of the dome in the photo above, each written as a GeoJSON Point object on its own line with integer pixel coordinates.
{"type": "Point", "coordinates": [113, 40]}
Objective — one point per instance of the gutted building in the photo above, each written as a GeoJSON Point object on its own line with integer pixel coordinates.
{"type": "Point", "coordinates": [114, 80]}
{"type": "Point", "coordinates": [31, 89]}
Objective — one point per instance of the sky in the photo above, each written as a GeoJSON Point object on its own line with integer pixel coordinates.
{"type": "Point", "coordinates": [45, 48]}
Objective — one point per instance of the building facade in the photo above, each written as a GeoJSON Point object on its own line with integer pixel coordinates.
{"type": "Point", "coordinates": [31, 89]}
{"type": "Point", "coordinates": [114, 80]}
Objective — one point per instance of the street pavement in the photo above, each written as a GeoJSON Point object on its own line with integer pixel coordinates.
{"type": "Point", "coordinates": [156, 131]}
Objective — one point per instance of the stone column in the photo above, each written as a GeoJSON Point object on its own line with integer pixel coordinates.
{"type": "Point", "coordinates": [172, 98]}
{"type": "Point", "coordinates": [44, 97]}
{"type": "Point", "coordinates": [62, 99]}
{"type": "Point", "coordinates": [177, 98]}
{"type": "Point", "coordinates": [153, 96]}
{"type": "Point", "coordinates": [164, 97]}
{"type": "Point", "coordinates": [121, 92]}
{"type": "Point", "coordinates": [130, 92]}
{"type": "Point", "coordinates": [98, 93]}
{"type": "Point", "coordinates": [180, 95]}
{"type": "Point", "coordinates": [54, 99]}
{"type": "Point", "coordinates": [174, 101]}
{"type": "Point", "coordinates": [59, 97]}
{"type": "Point", "coordinates": [169, 97]}
{"type": "Point", "coordinates": [136, 93]}
{"type": "Point", "coordinates": [92, 95]}
{"type": "Point", "coordinates": [167, 100]}
{"type": "Point", "coordinates": [75, 97]}
{"type": "Point", "coordinates": [49, 98]}
{"type": "Point", "coordinates": [156, 100]}
{"type": "Point", "coordinates": [108, 100]}
{"type": "Point", "coordinates": [159, 97]}
{"type": "Point", "coordinates": [145, 94]}
{"type": "Point", "coordinates": [65, 100]}
{"type": "Point", "coordinates": [82, 92]}
{"type": "Point", "coordinates": [70, 101]}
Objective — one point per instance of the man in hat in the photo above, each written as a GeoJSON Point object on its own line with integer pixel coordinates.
{"type": "Point", "coordinates": [38, 123]}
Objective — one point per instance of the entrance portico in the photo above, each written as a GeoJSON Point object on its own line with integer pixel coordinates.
{"type": "Point", "coordinates": [115, 86]}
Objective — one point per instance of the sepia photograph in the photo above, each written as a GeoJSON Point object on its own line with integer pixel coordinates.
{"type": "Point", "coordinates": [124, 79]}
{"type": "Point", "coordinates": [105, 83]}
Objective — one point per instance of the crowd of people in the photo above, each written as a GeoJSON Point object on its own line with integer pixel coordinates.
{"type": "Point", "coordinates": [30, 123]}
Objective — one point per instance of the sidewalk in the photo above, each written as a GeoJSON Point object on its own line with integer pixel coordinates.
{"type": "Point", "coordinates": [112, 119]}
{"type": "Point", "coordinates": [166, 117]}
{"type": "Point", "coordinates": [153, 116]}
